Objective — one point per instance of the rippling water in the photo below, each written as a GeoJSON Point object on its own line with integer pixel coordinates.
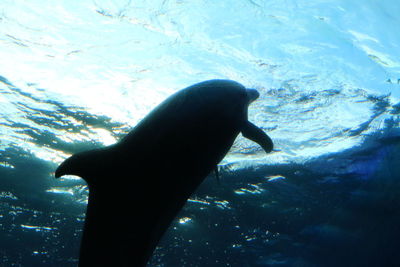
{"type": "Point", "coordinates": [79, 75]}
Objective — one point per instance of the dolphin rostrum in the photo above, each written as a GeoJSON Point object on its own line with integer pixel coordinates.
{"type": "Point", "coordinates": [138, 185]}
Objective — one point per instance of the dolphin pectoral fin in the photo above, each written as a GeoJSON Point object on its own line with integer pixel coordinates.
{"type": "Point", "coordinates": [252, 132]}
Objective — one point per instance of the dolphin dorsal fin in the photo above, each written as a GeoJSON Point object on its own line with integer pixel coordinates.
{"type": "Point", "coordinates": [252, 132]}
{"type": "Point", "coordinates": [84, 164]}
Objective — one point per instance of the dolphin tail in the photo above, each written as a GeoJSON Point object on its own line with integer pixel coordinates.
{"type": "Point", "coordinates": [252, 132]}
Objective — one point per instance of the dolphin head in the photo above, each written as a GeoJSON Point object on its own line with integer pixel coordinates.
{"type": "Point", "coordinates": [252, 94]}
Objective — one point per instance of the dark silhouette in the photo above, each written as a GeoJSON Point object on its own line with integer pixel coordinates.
{"type": "Point", "coordinates": [137, 186]}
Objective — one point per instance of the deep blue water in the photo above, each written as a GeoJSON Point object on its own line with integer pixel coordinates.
{"type": "Point", "coordinates": [78, 76]}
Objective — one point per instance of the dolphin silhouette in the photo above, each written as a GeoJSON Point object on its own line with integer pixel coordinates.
{"type": "Point", "coordinates": [138, 185]}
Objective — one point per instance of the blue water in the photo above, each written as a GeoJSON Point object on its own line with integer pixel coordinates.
{"type": "Point", "coordinates": [77, 75]}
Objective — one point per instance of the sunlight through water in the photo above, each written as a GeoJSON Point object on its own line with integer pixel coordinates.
{"type": "Point", "coordinates": [77, 75]}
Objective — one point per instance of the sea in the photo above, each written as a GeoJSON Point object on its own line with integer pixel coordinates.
{"type": "Point", "coordinates": [76, 75]}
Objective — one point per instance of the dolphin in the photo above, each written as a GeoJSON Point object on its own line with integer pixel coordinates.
{"type": "Point", "coordinates": [138, 185]}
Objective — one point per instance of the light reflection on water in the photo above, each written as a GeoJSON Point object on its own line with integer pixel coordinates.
{"type": "Point", "coordinates": [75, 76]}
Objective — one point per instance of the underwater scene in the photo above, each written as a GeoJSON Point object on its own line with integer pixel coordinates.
{"type": "Point", "coordinates": [79, 75]}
